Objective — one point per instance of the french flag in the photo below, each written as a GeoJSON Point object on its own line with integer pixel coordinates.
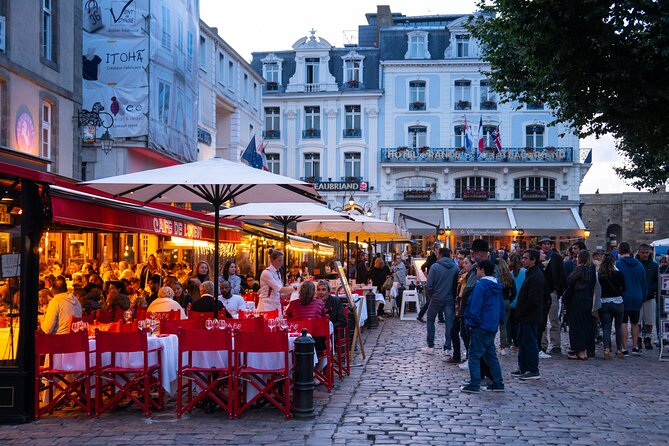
{"type": "Point", "coordinates": [497, 139]}
{"type": "Point", "coordinates": [480, 135]}
{"type": "Point", "coordinates": [469, 139]}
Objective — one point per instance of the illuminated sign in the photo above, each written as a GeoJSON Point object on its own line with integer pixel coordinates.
{"type": "Point", "coordinates": [166, 226]}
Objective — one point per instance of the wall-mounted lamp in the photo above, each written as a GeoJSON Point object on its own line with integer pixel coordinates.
{"type": "Point", "coordinates": [586, 233]}
{"type": "Point", "coordinates": [90, 120]}
{"type": "Point", "coordinates": [518, 232]}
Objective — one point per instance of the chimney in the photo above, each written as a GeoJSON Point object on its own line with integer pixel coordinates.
{"type": "Point", "coordinates": [384, 18]}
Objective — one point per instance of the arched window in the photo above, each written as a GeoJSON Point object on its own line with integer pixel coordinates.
{"type": "Point", "coordinates": [534, 188]}
{"type": "Point", "coordinates": [534, 135]}
{"type": "Point", "coordinates": [479, 187]}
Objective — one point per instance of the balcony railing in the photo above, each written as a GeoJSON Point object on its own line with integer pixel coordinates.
{"type": "Point", "coordinates": [417, 194]}
{"type": "Point", "coordinates": [271, 134]}
{"type": "Point", "coordinates": [311, 88]}
{"type": "Point", "coordinates": [460, 155]}
{"type": "Point", "coordinates": [311, 133]}
{"type": "Point", "coordinates": [351, 179]}
{"type": "Point", "coordinates": [352, 133]}
{"type": "Point", "coordinates": [310, 179]}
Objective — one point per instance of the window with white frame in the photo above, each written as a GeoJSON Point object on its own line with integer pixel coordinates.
{"type": "Point", "coordinates": [352, 118]}
{"type": "Point", "coordinates": [3, 27]}
{"type": "Point", "coordinates": [274, 163]}
{"type": "Point", "coordinates": [246, 86]}
{"type": "Point", "coordinates": [488, 96]}
{"type": "Point", "coordinates": [424, 184]}
{"type": "Point", "coordinates": [488, 139]}
{"type": "Point", "coordinates": [312, 166]}
{"type": "Point", "coordinates": [47, 117]}
{"type": "Point", "coordinates": [353, 71]}
{"type": "Point", "coordinates": [352, 165]}
{"type": "Point", "coordinates": [534, 136]}
{"type": "Point", "coordinates": [166, 29]}
{"type": "Point", "coordinates": [459, 133]}
{"type": "Point", "coordinates": [312, 118]}
{"type": "Point", "coordinates": [417, 136]}
{"type": "Point", "coordinates": [462, 95]}
{"type": "Point", "coordinates": [256, 97]}
{"type": "Point", "coordinates": [417, 95]}
{"type": "Point", "coordinates": [535, 187]}
{"type": "Point", "coordinates": [271, 73]}
{"type": "Point", "coordinates": [221, 68]}
{"type": "Point", "coordinates": [48, 38]}
{"type": "Point", "coordinates": [417, 45]}
{"type": "Point", "coordinates": [272, 122]}
{"type": "Point", "coordinates": [462, 45]}
{"type": "Point", "coordinates": [164, 91]}
{"type": "Point", "coordinates": [203, 53]}
{"type": "Point", "coordinates": [480, 187]}
{"type": "Point", "coordinates": [311, 64]}
{"type": "Point", "coordinates": [190, 51]}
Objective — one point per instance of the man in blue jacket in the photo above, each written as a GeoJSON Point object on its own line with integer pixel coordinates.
{"type": "Point", "coordinates": [483, 316]}
{"type": "Point", "coordinates": [634, 294]}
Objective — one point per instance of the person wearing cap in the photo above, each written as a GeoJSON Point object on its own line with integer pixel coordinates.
{"type": "Point", "coordinates": [555, 280]}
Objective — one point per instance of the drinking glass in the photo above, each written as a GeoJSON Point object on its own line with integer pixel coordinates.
{"type": "Point", "coordinates": [75, 326]}
{"type": "Point", "coordinates": [222, 324]}
{"type": "Point", "coordinates": [215, 323]}
{"type": "Point", "coordinates": [127, 316]}
{"type": "Point", "coordinates": [141, 324]}
{"type": "Point", "coordinates": [209, 324]}
{"type": "Point", "coordinates": [283, 324]}
{"type": "Point", "coordinates": [271, 323]}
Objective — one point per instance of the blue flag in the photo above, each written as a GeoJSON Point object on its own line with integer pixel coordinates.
{"type": "Point", "coordinates": [251, 155]}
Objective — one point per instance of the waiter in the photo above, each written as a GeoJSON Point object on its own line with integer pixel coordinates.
{"type": "Point", "coordinates": [271, 284]}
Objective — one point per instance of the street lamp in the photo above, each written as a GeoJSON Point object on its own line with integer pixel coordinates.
{"type": "Point", "coordinates": [89, 120]}
{"type": "Point", "coordinates": [586, 233]}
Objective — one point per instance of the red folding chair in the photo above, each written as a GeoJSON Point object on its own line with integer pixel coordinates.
{"type": "Point", "coordinates": [172, 315]}
{"type": "Point", "coordinates": [272, 385]}
{"type": "Point", "coordinates": [255, 324]}
{"type": "Point", "coordinates": [140, 313]}
{"type": "Point", "coordinates": [172, 327]}
{"type": "Point", "coordinates": [123, 381]}
{"type": "Point", "coordinates": [202, 314]}
{"type": "Point", "coordinates": [104, 317]}
{"type": "Point", "coordinates": [320, 327]}
{"type": "Point", "coordinates": [342, 362]}
{"type": "Point", "coordinates": [62, 385]}
{"type": "Point", "coordinates": [214, 383]}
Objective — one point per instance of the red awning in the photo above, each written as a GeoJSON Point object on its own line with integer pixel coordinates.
{"type": "Point", "coordinates": [124, 217]}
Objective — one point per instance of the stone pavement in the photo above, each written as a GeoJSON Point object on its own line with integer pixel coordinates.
{"type": "Point", "coordinates": [402, 396]}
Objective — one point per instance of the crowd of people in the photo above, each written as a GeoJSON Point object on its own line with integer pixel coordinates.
{"type": "Point", "coordinates": [527, 299]}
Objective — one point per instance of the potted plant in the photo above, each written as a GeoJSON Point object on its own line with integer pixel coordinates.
{"type": "Point", "coordinates": [534, 194]}
{"type": "Point", "coordinates": [417, 194]}
{"type": "Point", "coordinates": [463, 105]}
{"type": "Point", "coordinates": [424, 149]}
{"type": "Point", "coordinates": [529, 149]}
{"type": "Point", "coordinates": [417, 105]}
{"type": "Point", "coordinates": [272, 85]}
{"type": "Point", "coordinates": [353, 83]}
{"type": "Point", "coordinates": [311, 132]}
{"type": "Point", "coordinates": [475, 194]}
{"type": "Point", "coordinates": [352, 132]}
{"type": "Point", "coordinates": [311, 179]}
{"type": "Point", "coordinates": [488, 105]}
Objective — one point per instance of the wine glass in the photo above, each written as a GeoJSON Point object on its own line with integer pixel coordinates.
{"type": "Point", "coordinates": [209, 324]}
{"type": "Point", "coordinates": [127, 316]}
{"type": "Point", "coordinates": [215, 324]}
{"type": "Point", "coordinates": [76, 326]}
{"type": "Point", "coordinates": [283, 324]}
{"type": "Point", "coordinates": [222, 325]}
{"type": "Point", "coordinates": [140, 324]}
{"type": "Point", "coordinates": [271, 323]}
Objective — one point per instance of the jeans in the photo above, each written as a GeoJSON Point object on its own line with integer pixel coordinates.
{"type": "Point", "coordinates": [552, 315]}
{"type": "Point", "coordinates": [528, 349]}
{"type": "Point", "coordinates": [448, 308]}
{"type": "Point", "coordinates": [607, 314]}
{"type": "Point", "coordinates": [512, 328]}
{"type": "Point", "coordinates": [424, 308]}
{"type": "Point", "coordinates": [459, 330]}
{"type": "Point", "coordinates": [482, 346]}
{"type": "Point", "coordinates": [504, 338]}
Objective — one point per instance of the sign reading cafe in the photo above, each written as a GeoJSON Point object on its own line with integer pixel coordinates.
{"type": "Point", "coordinates": [165, 226]}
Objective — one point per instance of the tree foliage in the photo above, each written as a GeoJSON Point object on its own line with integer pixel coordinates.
{"type": "Point", "coordinates": [603, 66]}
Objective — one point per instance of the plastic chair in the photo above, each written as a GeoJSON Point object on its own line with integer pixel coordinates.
{"type": "Point", "coordinates": [267, 382]}
{"type": "Point", "coordinates": [135, 383]}
{"type": "Point", "coordinates": [320, 327]}
{"type": "Point", "coordinates": [172, 315]}
{"type": "Point", "coordinates": [215, 383]}
{"type": "Point", "coordinates": [62, 385]}
{"type": "Point", "coordinates": [342, 360]}
{"type": "Point", "coordinates": [409, 296]}
{"type": "Point", "coordinates": [173, 327]}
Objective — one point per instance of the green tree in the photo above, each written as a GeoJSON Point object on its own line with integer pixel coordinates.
{"type": "Point", "coordinates": [603, 66]}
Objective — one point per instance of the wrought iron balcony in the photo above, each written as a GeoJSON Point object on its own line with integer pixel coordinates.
{"type": "Point", "coordinates": [460, 155]}
{"type": "Point", "coordinates": [352, 133]}
{"type": "Point", "coordinates": [310, 179]}
{"type": "Point", "coordinates": [311, 133]}
{"type": "Point", "coordinates": [271, 134]}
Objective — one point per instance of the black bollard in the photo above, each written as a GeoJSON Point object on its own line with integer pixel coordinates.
{"type": "Point", "coordinates": [371, 310]}
{"type": "Point", "coordinates": [303, 391]}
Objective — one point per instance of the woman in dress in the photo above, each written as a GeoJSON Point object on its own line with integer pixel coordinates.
{"type": "Point", "coordinates": [230, 275]}
{"type": "Point", "coordinates": [579, 307]}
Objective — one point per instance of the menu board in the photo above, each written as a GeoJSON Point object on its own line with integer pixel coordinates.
{"type": "Point", "coordinates": [344, 283]}
{"type": "Point", "coordinates": [11, 265]}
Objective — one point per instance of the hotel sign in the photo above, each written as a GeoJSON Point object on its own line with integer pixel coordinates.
{"type": "Point", "coordinates": [455, 155]}
{"type": "Point", "coordinates": [342, 186]}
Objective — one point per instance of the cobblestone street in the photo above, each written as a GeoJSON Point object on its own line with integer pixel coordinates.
{"type": "Point", "coordinates": [402, 396]}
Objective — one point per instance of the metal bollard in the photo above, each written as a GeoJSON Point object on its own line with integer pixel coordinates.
{"type": "Point", "coordinates": [371, 310]}
{"type": "Point", "coordinates": [303, 391]}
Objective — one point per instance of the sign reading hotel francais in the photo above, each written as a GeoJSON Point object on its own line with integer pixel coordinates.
{"type": "Point", "coordinates": [166, 226]}
{"type": "Point", "coordinates": [413, 154]}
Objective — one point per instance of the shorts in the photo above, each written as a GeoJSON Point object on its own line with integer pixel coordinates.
{"type": "Point", "coordinates": [631, 316]}
{"type": "Point", "coordinates": [648, 312]}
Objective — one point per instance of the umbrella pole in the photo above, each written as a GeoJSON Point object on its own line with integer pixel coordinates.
{"type": "Point", "coordinates": [216, 223]}
{"type": "Point", "coordinates": [285, 248]}
{"type": "Point", "coordinates": [348, 252]}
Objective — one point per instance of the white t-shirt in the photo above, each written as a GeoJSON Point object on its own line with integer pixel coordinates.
{"type": "Point", "coordinates": [234, 304]}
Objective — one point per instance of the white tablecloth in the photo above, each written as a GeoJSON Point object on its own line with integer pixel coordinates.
{"type": "Point", "coordinates": [6, 343]}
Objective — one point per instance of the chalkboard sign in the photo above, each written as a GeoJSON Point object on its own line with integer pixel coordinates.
{"type": "Point", "coordinates": [11, 265]}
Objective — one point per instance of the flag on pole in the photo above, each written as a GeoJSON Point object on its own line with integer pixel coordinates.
{"type": "Point", "coordinates": [469, 139]}
{"type": "Point", "coordinates": [261, 151]}
{"type": "Point", "coordinates": [480, 135]}
{"type": "Point", "coordinates": [251, 155]}
{"type": "Point", "coordinates": [497, 139]}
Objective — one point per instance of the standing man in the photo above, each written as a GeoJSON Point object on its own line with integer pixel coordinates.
{"type": "Point", "coordinates": [555, 282]}
{"type": "Point", "coordinates": [441, 286]}
{"type": "Point", "coordinates": [649, 306]}
{"type": "Point", "coordinates": [271, 284]}
{"type": "Point", "coordinates": [483, 316]}
{"type": "Point", "coordinates": [61, 309]}
{"type": "Point", "coordinates": [633, 295]}
{"type": "Point", "coordinates": [529, 314]}
{"type": "Point", "coordinates": [431, 260]}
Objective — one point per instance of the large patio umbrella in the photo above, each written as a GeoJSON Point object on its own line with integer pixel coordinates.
{"type": "Point", "coordinates": [360, 226]}
{"type": "Point", "coordinates": [213, 181]}
{"type": "Point", "coordinates": [283, 213]}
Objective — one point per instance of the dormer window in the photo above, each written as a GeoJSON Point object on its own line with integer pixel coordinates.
{"type": "Point", "coordinates": [417, 45]}
{"type": "Point", "coordinates": [353, 69]}
{"type": "Point", "coordinates": [271, 72]}
{"type": "Point", "coordinates": [462, 45]}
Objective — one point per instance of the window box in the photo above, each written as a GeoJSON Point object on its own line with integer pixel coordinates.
{"type": "Point", "coordinates": [352, 133]}
{"type": "Point", "coordinates": [311, 179]}
{"type": "Point", "coordinates": [534, 195]}
{"type": "Point", "coordinates": [463, 105]}
{"type": "Point", "coordinates": [353, 83]}
{"type": "Point", "coordinates": [488, 105]}
{"type": "Point", "coordinates": [417, 106]}
{"type": "Point", "coordinates": [271, 86]}
{"type": "Point", "coordinates": [272, 134]}
{"type": "Point", "coordinates": [475, 194]}
{"type": "Point", "coordinates": [311, 133]}
{"type": "Point", "coordinates": [416, 194]}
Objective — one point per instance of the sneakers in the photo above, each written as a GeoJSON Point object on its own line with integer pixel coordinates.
{"type": "Point", "coordinates": [639, 344]}
{"type": "Point", "coordinates": [544, 355]}
{"type": "Point", "coordinates": [469, 389]}
{"type": "Point", "coordinates": [647, 343]}
{"type": "Point", "coordinates": [503, 351]}
{"type": "Point", "coordinates": [494, 388]}
{"type": "Point", "coordinates": [625, 352]}
{"type": "Point", "coordinates": [464, 366]}
{"type": "Point", "coordinates": [636, 351]}
{"type": "Point", "coordinates": [527, 376]}
{"type": "Point", "coordinates": [517, 373]}
{"type": "Point", "coordinates": [556, 351]}
{"type": "Point", "coordinates": [420, 319]}
{"type": "Point", "coordinates": [427, 350]}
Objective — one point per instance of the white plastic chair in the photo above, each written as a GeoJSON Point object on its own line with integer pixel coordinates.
{"type": "Point", "coordinates": [409, 296]}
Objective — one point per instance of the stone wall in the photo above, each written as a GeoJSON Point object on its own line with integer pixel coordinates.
{"type": "Point", "coordinates": [602, 212]}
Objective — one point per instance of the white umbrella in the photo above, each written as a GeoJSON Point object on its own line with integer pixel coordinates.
{"type": "Point", "coordinates": [284, 213]}
{"type": "Point", "coordinates": [213, 181]}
